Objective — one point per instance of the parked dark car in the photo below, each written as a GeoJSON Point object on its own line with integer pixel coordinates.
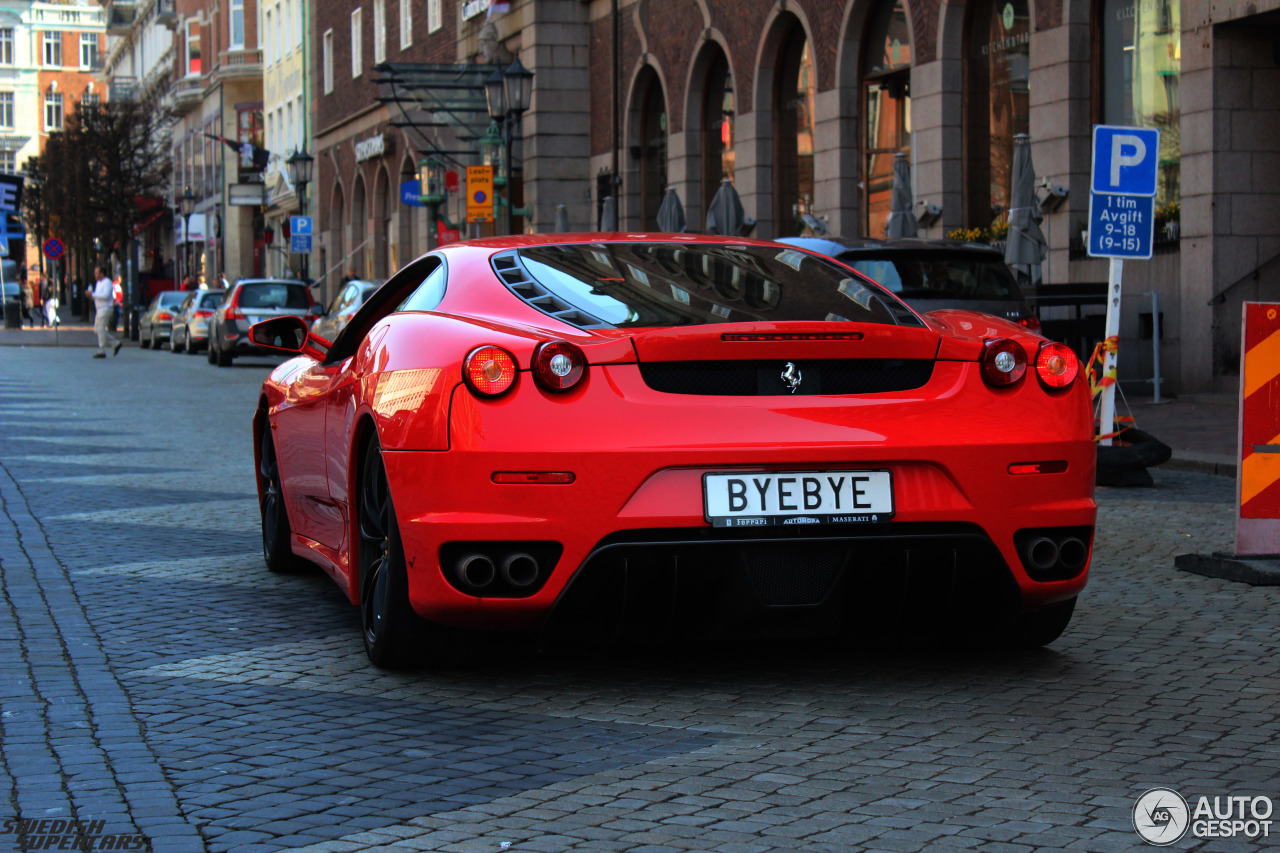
{"type": "Point", "coordinates": [156, 323]}
{"type": "Point", "coordinates": [932, 274]}
{"type": "Point", "coordinates": [191, 322]}
{"type": "Point", "coordinates": [349, 298]}
{"type": "Point", "coordinates": [249, 301]}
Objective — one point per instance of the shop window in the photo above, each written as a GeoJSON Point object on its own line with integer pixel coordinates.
{"type": "Point", "coordinates": [717, 128]}
{"type": "Point", "coordinates": [793, 134]}
{"type": "Point", "coordinates": [886, 125]}
{"type": "Point", "coordinates": [997, 68]}
{"type": "Point", "coordinates": [1141, 55]}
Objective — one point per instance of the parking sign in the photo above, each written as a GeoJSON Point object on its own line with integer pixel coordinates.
{"type": "Point", "coordinates": [1125, 160]}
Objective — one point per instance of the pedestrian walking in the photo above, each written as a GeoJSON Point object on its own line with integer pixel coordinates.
{"type": "Point", "coordinates": [103, 302]}
{"type": "Point", "coordinates": [51, 308]}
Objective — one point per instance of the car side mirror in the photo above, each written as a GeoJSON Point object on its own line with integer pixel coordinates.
{"type": "Point", "coordinates": [317, 310]}
{"type": "Point", "coordinates": [283, 333]}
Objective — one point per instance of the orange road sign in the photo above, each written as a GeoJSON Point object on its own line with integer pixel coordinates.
{"type": "Point", "coordinates": [479, 193]}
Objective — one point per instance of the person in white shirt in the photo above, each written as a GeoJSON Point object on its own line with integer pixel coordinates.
{"type": "Point", "coordinates": [103, 302]}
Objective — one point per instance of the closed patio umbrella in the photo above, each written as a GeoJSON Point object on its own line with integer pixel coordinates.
{"type": "Point", "coordinates": [902, 218]}
{"type": "Point", "coordinates": [1025, 249]}
{"type": "Point", "coordinates": [671, 213]}
{"type": "Point", "coordinates": [725, 215]}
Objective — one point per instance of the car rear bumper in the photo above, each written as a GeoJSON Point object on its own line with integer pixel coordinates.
{"type": "Point", "coordinates": [638, 461]}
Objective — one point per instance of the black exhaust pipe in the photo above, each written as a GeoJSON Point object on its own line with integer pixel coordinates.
{"type": "Point", "coordinates": [520, 570]}
{"type": "Point", "coordinates": [1072, 553]}
{"type": "Point", "coordinates": [1042, 553]}
{"type": "Point", "coordinates": [476, 571]}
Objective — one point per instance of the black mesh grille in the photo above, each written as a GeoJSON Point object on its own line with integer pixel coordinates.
{"type": "Point", "coordinates": [780, 579]}
{"type": "Point", "coordinates": [765, 377]}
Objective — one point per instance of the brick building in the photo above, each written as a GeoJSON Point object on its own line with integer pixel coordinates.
{"type": "Point", "coordinates": [804, 103]}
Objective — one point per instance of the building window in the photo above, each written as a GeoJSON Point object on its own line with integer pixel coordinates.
{"type": "Point", "coordinates": [652, 136]}
{"type": "Point", "coordinates": [7, 164]}
{"type": "Point", "coordinates": [53, 49]}
{"type": "Point", "coordinates": [379, 31]}
{"type": "Point", "coordinates": [1141, 61]}
{"type": "Point", "coordinates": [793, 133]}
{"type": "Point", "coordinates": [193, 49]}
{"type": "Point", "coordinates": [6, 46]}
{"type": "Point", "coordinates": [357, 42]}
{"type": "Point", "coordinates": [235, 21]}
{"type": "Point", "coordinates": [406, 24]}
{"type": "Point", "coordinates": [886, 129]}
{"type": "Point", "coordinates": [435, 16]}
{"type": "Point", "coordinates": [88, 50]}
{"type": "Point", "coordinates": [268, 55]}
{"type": "Point", "coordinates": [717, 129]}
{"type": "Point", "coordinates": [326, 58]}
{"type": "Point", "coordinates": [53, 111]}
{"type": "Point", "coordinates": [6, 110]}
{"type": "Point", "coordinates": [998, 64]}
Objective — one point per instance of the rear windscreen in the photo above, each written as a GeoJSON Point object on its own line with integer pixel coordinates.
{"type": "Point", "coordinates": [624, 285]}
{"type": "Point", "coordinates": [266, 294]}
{"type": "Point", "coordinates": [935, 275]}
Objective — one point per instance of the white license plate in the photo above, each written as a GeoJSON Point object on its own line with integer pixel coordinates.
{"type": "Point", "coordinates": [253, 320]}
{"type": "Point", "coordinates": [765, 498]}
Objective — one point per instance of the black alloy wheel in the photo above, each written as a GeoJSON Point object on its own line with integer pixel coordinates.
{"type": "Point", "coordinates": [276, 550]}
{"type": "Point", "coordinates": [391, 629]}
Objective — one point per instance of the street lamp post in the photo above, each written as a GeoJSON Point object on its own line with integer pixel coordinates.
{"type": "Point", "coordinates": [187, 205]}
{"type": "Point", "coordinates": [507, 96]}
{"type": "Point", "coordinates": [300, 166]}
{"type": "Point", "coordinates": [431, 174]}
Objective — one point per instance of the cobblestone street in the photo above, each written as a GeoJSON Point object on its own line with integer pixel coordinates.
{"type": "Point", "coordinates": [157, 678]}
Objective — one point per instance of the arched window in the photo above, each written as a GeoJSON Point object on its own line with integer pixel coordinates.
{"type": "Point", "coordinates": [717, 128]}
{"type": "Point", "coordinates": [997, 69]}
{"type": "Point", "coordinates": [1141, 59]}
{"type": "Point", "coordinates": [652, 149]}
{"type": "Point", "coordinates": [886, 129]}
{"type": "Point", "coordinates": [793, 133]}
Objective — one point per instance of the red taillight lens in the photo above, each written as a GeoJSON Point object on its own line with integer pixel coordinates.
{"type": "Point", "coordinates": [558, 365]}
{"type": "Point", "coordinates": [164, 315]}
{"type": "Point", "coordinates": [1057, 466]}
{"type": "Point", "coordinates": [1032, 323]}
{"type": "Point", "coordinates": [1056, 365]}
{"type": "Point", "coordinates": [203, 313]}
{"type": "Point", "coordinates": [489, 371]}
{"type": "Point", "coordinates": [1003, 361]}
{"type": "Point", "coordinates": [233, 308]}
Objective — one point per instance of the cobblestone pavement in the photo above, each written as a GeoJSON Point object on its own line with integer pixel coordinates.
{"type": "Point", "coordinates": [159, 681]}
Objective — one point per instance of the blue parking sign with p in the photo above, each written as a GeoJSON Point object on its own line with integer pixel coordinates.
{"type": "Point", "coordinates": [300, 225]}
{"type": "Point", "coordinates": [1125, 160]}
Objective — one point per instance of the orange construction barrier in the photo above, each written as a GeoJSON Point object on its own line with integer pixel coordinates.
{"type": "Point", "coordinates": [1258, 515]}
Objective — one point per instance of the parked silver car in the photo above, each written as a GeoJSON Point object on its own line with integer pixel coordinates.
{"type": "Point", "coordinates": [191, 323]}
{"type": "Point", "coordinates": [344, 305]}
{"type": "Point", "coordinates": [156, 323]}
{"type": "Point", "coordinates": [249, 301]}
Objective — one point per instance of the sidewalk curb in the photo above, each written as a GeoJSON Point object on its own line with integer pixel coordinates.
{"type": "Point", "coordinates": [1201, 463]}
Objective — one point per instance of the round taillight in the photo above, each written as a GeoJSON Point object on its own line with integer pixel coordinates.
{"type": "Point", "coordinates": [489, 371]}
{"type": "Point", "coordinates": [1003, 361]}
{"type": "Point", "coordinates": [558, 365]}
{"type": "Point", "coordinates": [1056, 365]}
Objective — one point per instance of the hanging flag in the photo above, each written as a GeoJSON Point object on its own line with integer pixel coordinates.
{"type": "Point", "coordinates": [497, 7]}
{"type": "Point", "coordinates": [257, 155]}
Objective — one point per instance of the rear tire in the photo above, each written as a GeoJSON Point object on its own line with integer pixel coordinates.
{"type": "Point", "coordinates": [276, 532]}
{"type": "Point", "coordinates": [173, 344]}
{"type": "Point", "coordinates": [1041, 627]}
{"type": "Point", "coordinates": [145, 343]}
{"type": "Point", "coordinates": [210, 354]}
{"type": "Point", "coordinates": [223, 359]}
{"type": "Point", "coordinates": [392, 631]}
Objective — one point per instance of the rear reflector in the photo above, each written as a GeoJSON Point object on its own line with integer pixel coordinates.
{"type": "Point", "coordinates": [1055, 467]}
{"type": "Point", "coordinates": [560, 478]}
{"type": "Point", "coordinates": [1032, 323]}
{"type": "Point", "coordinates": [830, 336]}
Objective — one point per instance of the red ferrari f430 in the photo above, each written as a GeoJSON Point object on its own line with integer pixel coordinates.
{"type": "Point", "coordinates": [607, 433]}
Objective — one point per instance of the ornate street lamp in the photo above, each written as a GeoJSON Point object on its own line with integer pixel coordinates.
{"type": "Point", "coordinates": [187, 206]}
{"type": "Point", "coordinates": [495, 97]}
{"type": "Point", "coordinates": [518, 86]}
{"type": "Point", "coordinates": [431, 172]}
{"type": "Point", "coordinates": [301, 165]}
{"type": "Point", "coordinates": [507, 95]}
{"type": "Point", "coordinates": [493, 149]}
